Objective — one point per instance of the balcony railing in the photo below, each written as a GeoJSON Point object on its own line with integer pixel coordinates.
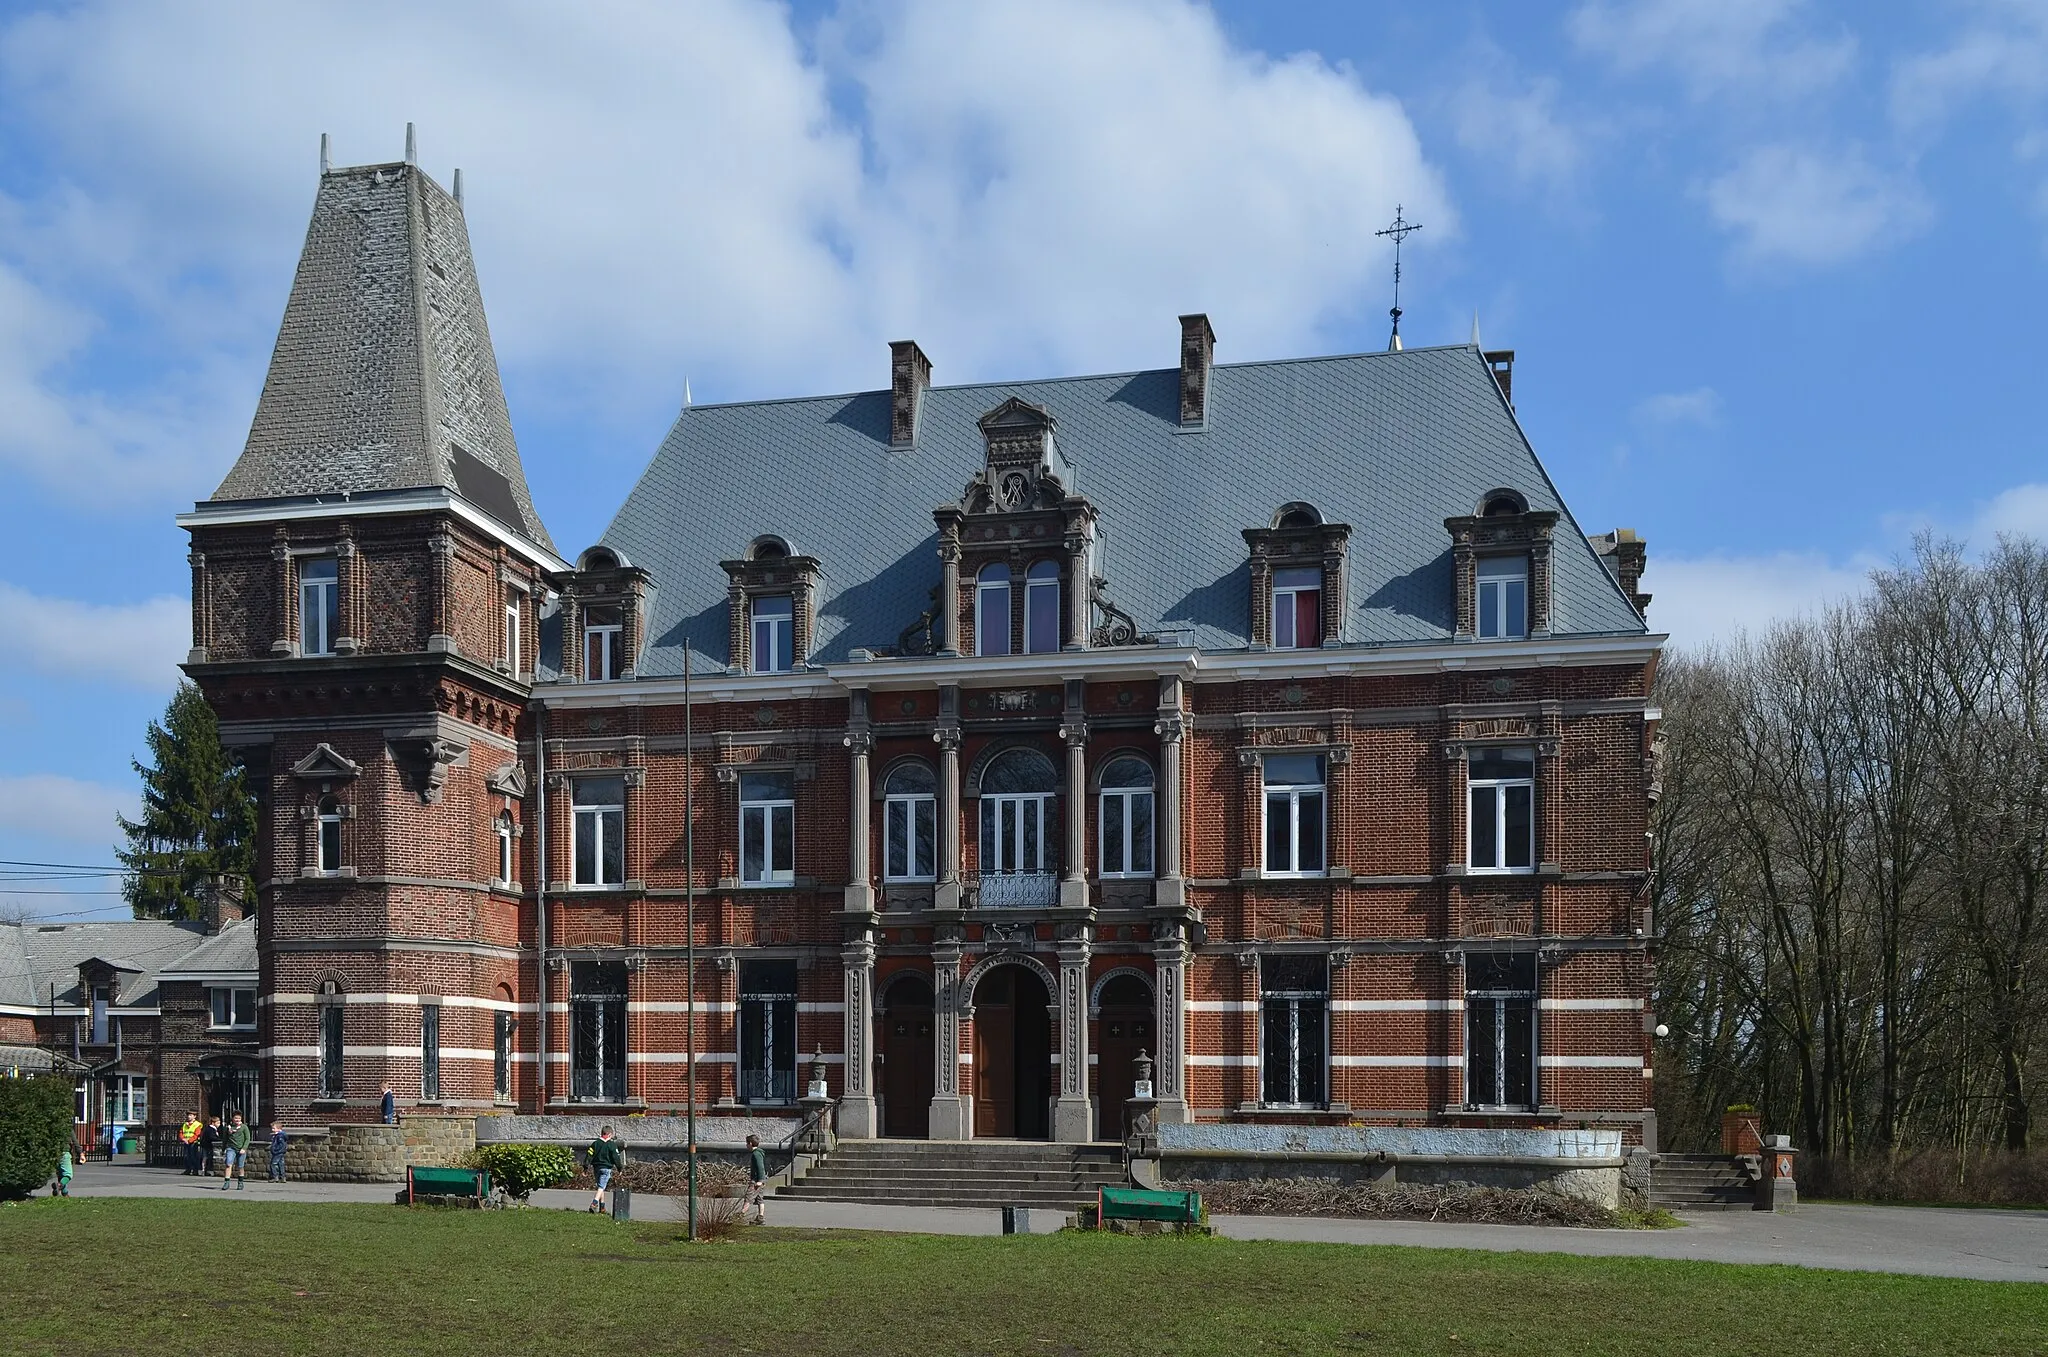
{"type": "Point", "coordinates": [1019, 890]}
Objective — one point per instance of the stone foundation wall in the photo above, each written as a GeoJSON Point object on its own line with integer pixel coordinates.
{"type": "Point", "coordinates": [353, 1153]}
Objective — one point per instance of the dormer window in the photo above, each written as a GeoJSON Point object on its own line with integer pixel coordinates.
{"type": "Point", "coordinates": [774, 633]}
{"type": "Point", "coordinates": [1042, 608]}
{"type": "Point", "coordinates": [1503, 604]}
{"type": "Point", "coordinates": [771, 594]}
{"type": "Point", "coordinates": [602, 625]}
{"type": "Point", "coordinates": [1297, 609]}
{"type": "Point", "coordinates": [1297, 568]}
{"type": "Point", "coordinates": [319, 604]}
{"type": "Point", "coordinates": [992, 611]}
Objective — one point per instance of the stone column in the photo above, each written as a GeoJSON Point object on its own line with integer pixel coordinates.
{"type": "Point", "coordinates": [1074, 852]}
{"type": "Point", "coordinates": [1171, 727]}
{"type": "Point", "coordinates": [949, 589]}
{"type": "Point", "coordinates": [1169, 989]}
{"type": "Point", "coordinates": [946, 895]}
{"type": "Point", "coordinates": [287, 642]}
{"type": "Point", "coordinates": [1072, 1117]}
{"type": "Point", "coordinates": [1075, 624]}
{"type": "Point", "coordinates": [860, 889]}
{"type": "Point", "coordinates": [441, 585]}
{"type": "Point", "coordinates": [349, 600]}
{"type": "Point", "coordinates": [949, 1113]}
{"type": "Point", "coordinates": [857, 1119]}
{"type": "Point", "coordinates": [202, 609]}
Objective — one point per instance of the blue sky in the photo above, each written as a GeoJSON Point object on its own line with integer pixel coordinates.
{"type": "Point", "coordinates": [1772, 269]}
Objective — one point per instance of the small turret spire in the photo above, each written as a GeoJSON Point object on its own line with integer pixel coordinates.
{"type": "Point", "coordinates": [412, 146]}
{"type": "Point", "coordinates": [326, 160]}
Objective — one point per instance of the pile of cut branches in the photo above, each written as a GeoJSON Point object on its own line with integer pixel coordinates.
{"type": "Point", "coordinates": [1395, 1201]}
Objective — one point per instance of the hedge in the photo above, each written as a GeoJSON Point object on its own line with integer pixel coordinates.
{"type": "Point", "coordinates": [35, 1128]}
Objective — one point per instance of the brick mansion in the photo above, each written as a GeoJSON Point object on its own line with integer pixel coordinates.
{"type": "Point", "coordinates": [1272, 719]}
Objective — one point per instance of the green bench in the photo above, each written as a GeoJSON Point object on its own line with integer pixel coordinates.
{"type": "Point", "coordinates": [1131, 1203]}
{"type": "Point", "coordinates": [437, 1182]}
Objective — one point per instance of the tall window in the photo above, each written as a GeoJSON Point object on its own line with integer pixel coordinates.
{"type": "Point", "coordinates": [597, 1031]}
{"type": "Point", "coordinates": [1297, 609]}
{"type": "Point", "coordinates": [1503, 597]}
{"type": "Point", "coordinates": [1126, 830]}
{"type": "Point", "coordinates": [910, 824]}
{"type": "Point", "coordinates": [1294, 1007]}
{"type": "Point", "coordinates": [1016, 810]}
{"type": "Point", "coordinates": [126, 1098]}
{"type": "Point", "coordinates": [1042, 608]}
{"type": "Point", "coordinates": [1503, 797]}
{"type": "Point", "coordinates": [331, 1047]}
{"type": "Point", "coordinates": [1294, 814]}
{"type": "Point", "coordinates": [102, 999]}
{"type": "Point", "coordinates": [768, 1031]}
{"type": "Point", "coordinates": [774, 634]}
{"type": "Point", "coordinates": [501, 1054]}
{"type": "Point", "coordinates": [992, 611]}
{"type": "Point", "coordinates": [233, 1007]}
{"type": "Point", "coordinates": [512, 632]}
{"type": "Point", "coordinates": [600, 830]}
{"type": "Point", "coordinates": [507, 832]}
{"type": "Point", "coordinates": [1500, 1029]}
{"type": "Point", "coordinates": [767, 828]}
{"type": "Point", "coordinates": [319, 604]}
{"type": "Point", "coordinates": [430, 1053]}
{"type": "Point", "coordinates": [603, 624]}
{"type": "Point", "coordinates": [329, 812]}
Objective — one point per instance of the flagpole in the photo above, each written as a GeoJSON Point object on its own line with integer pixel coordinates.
{"type": "Point", "coordinates": [690, 926]}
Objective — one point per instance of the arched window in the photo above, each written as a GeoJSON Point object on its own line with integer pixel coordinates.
{"type": "Point", "coordinates": [992, 611]}
{"type": "Point", "coordinates": [1126, 830]}
{"type": "Point", "coordinates": [1016, 810]}
{"type": "Point", "coordinates": [330, 834]}
{"type": "Point", "coordinates": [506, 831]}
{"type": "Point", "coordinates": [1042, 608]}
{"type": "Point", "coordinates": [910, 823]}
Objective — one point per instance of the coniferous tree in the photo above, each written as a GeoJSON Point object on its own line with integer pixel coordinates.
{"type": "Point", "coordinates": [198, 816]}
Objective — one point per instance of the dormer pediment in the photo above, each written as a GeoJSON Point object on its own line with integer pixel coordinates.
{"type": "Point", "coordinates": [325, 764]}
{"type": "Point", "coordinates": [1017, 413]}
{"type": "Point", "coordinates": [510, 780]}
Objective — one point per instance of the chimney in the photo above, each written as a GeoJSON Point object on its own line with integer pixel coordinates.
{"type": "Point", "coordinates": [1625, 555]}
{"type": "Point", "coordinates": [223, 904]}
{"type": "Point", "coordinates": [910, 373]}
{"type": "Point", "coordinates": [1502, 361]}
{"type": "Point", "coordinates": [1197, 347]}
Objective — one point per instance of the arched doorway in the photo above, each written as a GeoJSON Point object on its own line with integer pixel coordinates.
{"type": "Point", "coordinates": [1124, 1029]}
{"type": "Point", "coordinates": [1012, 1055]}
{"type": "Point", "coordinates": [907, 1058]}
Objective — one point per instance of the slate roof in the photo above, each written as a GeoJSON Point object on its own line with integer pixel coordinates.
{"type": "Point", "coordinates": [384, 377]}
{"type": "Point", "coordinates": [1390, 443]}
{"type": "Point", "coordinates": [35, 956]}
{"type": "Point", "coordinates": [232, 949]}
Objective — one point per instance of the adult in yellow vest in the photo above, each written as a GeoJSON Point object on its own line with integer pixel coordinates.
{"type": "Point", "coordinates": [188, 1136]}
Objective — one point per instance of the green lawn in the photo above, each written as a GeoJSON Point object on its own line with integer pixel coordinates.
{"type": "Point", "coordinates": [165, 1277]}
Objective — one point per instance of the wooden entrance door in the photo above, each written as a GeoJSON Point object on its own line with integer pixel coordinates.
{"type": "Point", "coordinates": [1012, 1055]}
{"type": "Point", "coordinates": [1125, 1029]}
{"type": "Point", "coordinates": [907, 1055]}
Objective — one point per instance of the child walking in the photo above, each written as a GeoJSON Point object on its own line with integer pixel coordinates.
{"type": "Point", "coordinates": [277, 1143]}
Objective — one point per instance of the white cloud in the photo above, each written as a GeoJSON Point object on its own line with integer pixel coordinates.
{"type": "Point", "coordinates": [1753, 48]}
{"type": "Point", "coordinates": [656, 189]}
{"type": "Point", "coordinates": [1700, 407]}
{"type": "Point", "coordinates": [50, 807]}
{"type": "Point", "coordinates": [2002, 52]}
{"type": "Point", "coordinates": [2022, 511]}
{"type": "Point", "coordinates": [1798, 205]}
{"type": "Point", "coordinates": [1712, 598]}
{"type": "Point", "coordinates": [137, 644]}
{"type": "Point", "coordinates": [1517, 124]}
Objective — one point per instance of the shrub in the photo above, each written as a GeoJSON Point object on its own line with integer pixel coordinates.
{"type": "Point", "coordinates": [1393, 1201]}
{"type": "Point", "coordinates": [520, 1169]}
{"type": "Point", "coordinates": [1993, 1177]}
{"type": "Point", "coordinates": [35, 1126]}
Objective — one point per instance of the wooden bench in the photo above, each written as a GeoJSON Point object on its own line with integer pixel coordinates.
{"type": "Point", "coordinates": [1132, 1203]}
{"type": "Point", "coordinates": [438, 1182]}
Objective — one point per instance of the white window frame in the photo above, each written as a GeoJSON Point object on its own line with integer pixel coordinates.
{"type": "Point", "coordinates": [1284, 606]}
{"type": "Point", "coordinates": [1494, 576]}
{"type": "Point", "coordinates": [768, 812]}
{"type": "Point", "coordinates": [779, 631]}
{"type": "Point", "coordinates": [607, 635]}
{"type": "Point", "coordinates": [232, 994]}
{"type": "Point", "coordinates": [512, 601]}
{"type": "Point", "coordinates": [1291, 795]}
{"type": "Point", "coordinates": [506, 832]}
{"type": "Point", "coordinates": [1012, 844]}
{"type": "Point", "coordinates": [1042, 576]}
{"type": "Point", "coordinates": [327, 842]}
{"type": "Point", "coordinates": [1119, 802]}
{"type": "Point", "coordinates": [319, 604]}
{"type": "Point", "coordinates": [590, 818]}
{"type": "Point", "coordinates": [904, 806]}
{"type": "Point", "coordinates": [986, 584]}
{"type": "Point", "coordinates": [125, 1099]}
{"type": "Point", "coordinates": [1498, 789]}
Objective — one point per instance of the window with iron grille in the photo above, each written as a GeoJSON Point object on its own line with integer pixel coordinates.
{"type": "Point", "coordinates": [1294, 1008]}
{"type": "Point", "coordinates": [1500, 1029]}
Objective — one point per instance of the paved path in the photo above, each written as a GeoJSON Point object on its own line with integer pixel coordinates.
{"type": "Point", "coordinates": [1989, 1245]}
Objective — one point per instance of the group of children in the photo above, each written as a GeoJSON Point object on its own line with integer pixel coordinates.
{"type": "Point", "coordinates": [231, 1143]}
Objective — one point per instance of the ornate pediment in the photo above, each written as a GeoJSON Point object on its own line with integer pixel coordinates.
{"type": "Point", "coordinates": [324, 764]}
{"type": "Point", "coordinates": [510, 780]}
{"type": "Point", "coordinates": [1023, 469]}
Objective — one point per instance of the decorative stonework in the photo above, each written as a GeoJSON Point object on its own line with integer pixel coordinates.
{"type": "Point", "coordinates": [1298, 540]}
{"type": "Point", "coordinates": [1504, 526]}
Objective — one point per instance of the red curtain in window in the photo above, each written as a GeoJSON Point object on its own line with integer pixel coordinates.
{"type": "Point", "coordinates": [1308, 619]}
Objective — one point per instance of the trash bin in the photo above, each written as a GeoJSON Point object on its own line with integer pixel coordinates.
{"type": "Point", "coordinates": [622, 1203]}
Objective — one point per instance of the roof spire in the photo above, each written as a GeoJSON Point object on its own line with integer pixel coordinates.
{"type": "Point", "coordinates": [326, 160]}
{"type": "Point", "coordinates": [1475, 327]}
{"type": "Point", "coordinates": [457, 195]}
{"type": "Point", "coordinates": [412, 146]}
{"type": "Point", "coordinates": [1400, 231]}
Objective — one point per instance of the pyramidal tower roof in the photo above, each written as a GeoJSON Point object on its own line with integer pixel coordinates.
{"type": "Point", "coordinates": [384, 378]}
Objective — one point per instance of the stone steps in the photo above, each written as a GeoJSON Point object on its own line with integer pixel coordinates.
{"type": "Point", "coordinates": [1700, 1182]}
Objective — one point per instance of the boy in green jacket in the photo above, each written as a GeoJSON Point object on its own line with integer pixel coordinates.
{"type": "Point", "coordinates": [237, 1155]}
{"type": "Point", "coordinates": [607, 1156]}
